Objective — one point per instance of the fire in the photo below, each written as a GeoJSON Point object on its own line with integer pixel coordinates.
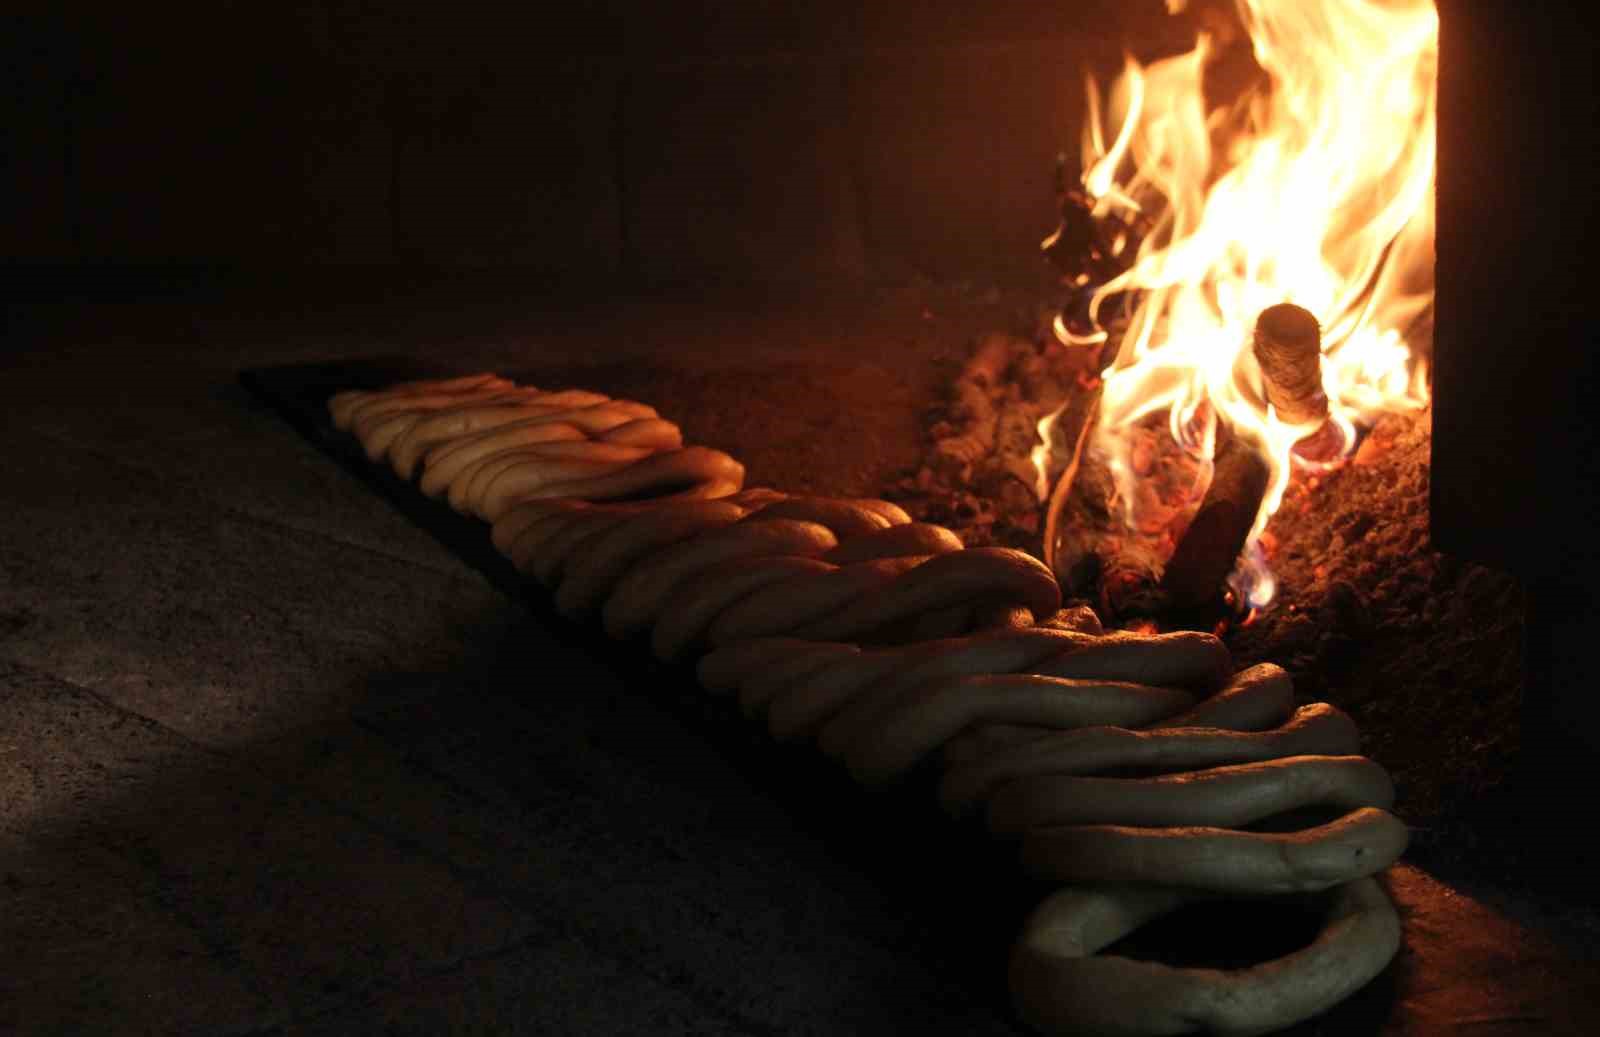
{"type": "Point", "coordinates": [1313, 187]}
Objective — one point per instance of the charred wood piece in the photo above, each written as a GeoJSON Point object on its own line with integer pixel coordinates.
{"type": "Point", "coordinates": [1206, 554]}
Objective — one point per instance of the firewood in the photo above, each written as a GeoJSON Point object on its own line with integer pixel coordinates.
{"type": "Point", "coordinates": [1217, 533]}
{"type": "Point", "coordinates": [1288, 346]}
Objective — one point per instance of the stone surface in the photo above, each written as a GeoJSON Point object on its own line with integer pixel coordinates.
{"type": "Point", "coordinates": [271, 761]}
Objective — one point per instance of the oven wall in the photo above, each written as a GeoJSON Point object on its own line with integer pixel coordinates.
{"type": "Point", "coordinates": [734, 136]}
{"type": "Point", "coordinates": [1516, 429]}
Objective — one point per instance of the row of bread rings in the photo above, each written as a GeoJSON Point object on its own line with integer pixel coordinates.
{"type": "Point", "coordinates": [882, 641]}
{"type": "Point", "coordinates": [484, 443]}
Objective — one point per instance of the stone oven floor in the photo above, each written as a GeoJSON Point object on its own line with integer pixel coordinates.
{"type": "Point", "coordinates": [273, 761]}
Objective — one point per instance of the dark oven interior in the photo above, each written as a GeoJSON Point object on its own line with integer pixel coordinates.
{"type": "Point", "coordinates": [792, 227]}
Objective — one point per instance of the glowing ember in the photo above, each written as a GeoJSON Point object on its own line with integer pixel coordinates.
{"type": "Point", "coordinates": [1314, 187]}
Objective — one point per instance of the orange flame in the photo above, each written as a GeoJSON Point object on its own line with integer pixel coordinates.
{"type": "Point", "coordinates": [1315, 187]}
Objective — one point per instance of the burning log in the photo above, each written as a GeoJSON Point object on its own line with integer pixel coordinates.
{"type": "Point", "coordinates": [1217, 533]}
{"type": "Point", "coordinates": [1288, 346]}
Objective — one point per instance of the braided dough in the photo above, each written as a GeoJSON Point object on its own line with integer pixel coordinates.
{"type": "Point", "coordinates": [1140, 769]}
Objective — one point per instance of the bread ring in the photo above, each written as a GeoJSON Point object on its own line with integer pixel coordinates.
{"type": "Point", "coordinates": [896, 541]}
{"type": "Point", "coordinates": [782, 609]}
{"type": "Point", "coordinates": [518, 520]}
{"type": "Point", "coordinates": [798, 667]}
{"type": "Point", "coordinates": [980, 743]}
{"type": "Point", "coordinates": [641, 595]}
{"type": "Point", "coordinates": [381, 421]}
{"type": "Point", "coordinates": [799, 710]}
{"type": "Point", "coordinates": [522, 424]}
{"type": "Point", "coordinates": [893, 512]}
{"type": "Point", "coordinates": [847, 519]}
{"type": "Point", "coordinates": [757, 497]}
{"type": "Point", "coordinates": [646, 432]}
{"type": "Point", "coordinates": [1254, 699]}
{"type": "Point", "coordinates": [455, 427]}
{"type": "Point", "coordinates": [1314, 730]}
{"type": "Point", "coordinates": [693, 473]}
{"type": "Point", "coordinates": [986, 574]}
{"type": "Point", "coordinates": [533, 468]}
{"type": "Point", "coordinates": [1228, 796]}
{"type": "Point", "coordinates": [1362, 842]}
{"type": "Point", "coordinates": [1001, 651]}
{"type": "Point", "coordinates": [343, 406]}
{"type": "Point", "coordinates": [724, 670]}
{"type": "Point", "coordinates": [1179, 659]}
{"type": "Point", "coordinates": [1061, 984]}
{"type": "Point", "coordinates": [845, 672]}
{"type": "Point", "coordinates": [544, 548]}
{"type": "Point", "coordinates": [439, 471]}
{"type": "Point", "coordinates": [695, 608]}
{"type": "Point", "coordinates": [1079, 618]}
{"type": "Point", "coordinates": [591, 573]}
{"type": "Point", "coordinates": [475, 479]}
{"type": "Point", "coordinates": [922, 723]}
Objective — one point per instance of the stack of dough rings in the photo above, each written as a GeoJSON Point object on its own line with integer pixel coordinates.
{"type": "Point", "coordinates": [1139, 771]}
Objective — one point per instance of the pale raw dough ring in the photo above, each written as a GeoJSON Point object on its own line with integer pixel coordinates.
{"type": "Point", "coordinates": [693, 473]}
{"type": "Point", "coordinates": [923, 722]}
{"type": "Point", "coordinates": [343, 406]}
{"type": "Point", "coordinates": [1060, 984]}
{"type": "Point", "coordinates": [449, 429]}
{"type": "Point", "coordinates": [1314, 730]}
{"type": "Point", "coordinates": [641, 595]}
{"type": "Point", "coordinates": [989, 574]}
{"type": "Point", "coordinates": [1226, 796]}
{"type": "Point", "coordinates": [695, 608]}
{"type": "Point", "coordinates": [1226, 860]}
